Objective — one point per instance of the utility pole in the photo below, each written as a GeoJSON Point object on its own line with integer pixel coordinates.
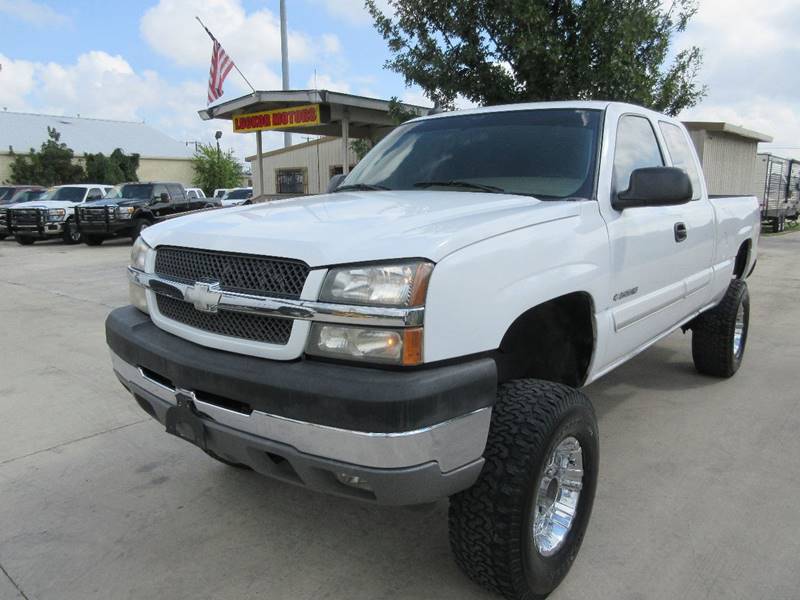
{"type": "Point", "coordinates": [287, 137]}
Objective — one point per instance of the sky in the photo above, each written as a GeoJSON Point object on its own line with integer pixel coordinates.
{"type": "Point", "coordinates": [148, 60]}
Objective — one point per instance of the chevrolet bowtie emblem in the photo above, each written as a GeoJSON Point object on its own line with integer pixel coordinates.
{"type": "Point", "coordinates": [205, 296]}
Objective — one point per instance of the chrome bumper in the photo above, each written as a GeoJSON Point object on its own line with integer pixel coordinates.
{"type": "Point", "coordinates": [452, 444]}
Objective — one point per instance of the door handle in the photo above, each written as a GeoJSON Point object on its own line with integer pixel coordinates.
{"type": "Point", "coordinates": [680, 232]}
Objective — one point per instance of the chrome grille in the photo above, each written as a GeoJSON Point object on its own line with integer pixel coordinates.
{"type": "Point", "coordinates": [269, 330]}
{"type": "Point", "coordinates": [242, 273]}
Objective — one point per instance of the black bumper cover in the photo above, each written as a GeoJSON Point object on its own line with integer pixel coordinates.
{"type": "Point", "coordinates": [337, 395]}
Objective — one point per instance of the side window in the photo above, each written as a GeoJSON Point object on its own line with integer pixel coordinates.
{"type": "Point", "coordinates": [191, 194]}
{"type": "Point", "coordinates": [681, 154]}
{"type": "Point", "coordinates": [176, 193]}
{"type": "Point", "coordinates": [637, 147]}
{"type": "Point", "coordinates": [158, 190]}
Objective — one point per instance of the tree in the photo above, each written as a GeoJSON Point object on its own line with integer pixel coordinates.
{"type": "Point", "coordinates": [501, 51]}
{"type": "Point", "coordinates": [116, 168]}
{"type": "Point", "coordinates": [53, 164]}
{"type": "Point", "coordinates": [214, 169]}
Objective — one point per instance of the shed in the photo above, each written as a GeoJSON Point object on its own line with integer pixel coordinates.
{"type": "Point", "coordinates": [728, 156]}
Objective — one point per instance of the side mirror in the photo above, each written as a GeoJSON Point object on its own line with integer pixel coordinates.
{"type": "Point", "coordinates": [335, 182]}
{"type": "Point", "coordinates": [655, 186]}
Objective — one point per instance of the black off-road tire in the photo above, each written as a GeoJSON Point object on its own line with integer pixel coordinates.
{"type": "Point", "coordinates": [92, 239]}
{"type": "Point", "coordinates": [714, 330]}
{"type": "Point", "coordinates": [67, 235]}
{"type": "Point", "coordinates": [24, 240]}
{"type": "Point", "coordinates": [2, 236]}
{"type": "Point", "coordinates": [491, 523]}
{"type": "Point", "coordinates": [227, 462]}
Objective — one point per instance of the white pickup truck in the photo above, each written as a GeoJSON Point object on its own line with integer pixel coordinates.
{"type": "Point", "coordinates": [423, 331]}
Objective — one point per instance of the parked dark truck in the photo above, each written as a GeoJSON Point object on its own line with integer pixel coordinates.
{"type": "Point", "coordinates": [129, 208]}
{"type": "Point", "coordinates": [423, 330]}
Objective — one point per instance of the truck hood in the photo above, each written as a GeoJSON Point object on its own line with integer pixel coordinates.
{"type": "Point", "coordinates": [348, 227]}
{"type": "Point", "coordinates": [45, 204]}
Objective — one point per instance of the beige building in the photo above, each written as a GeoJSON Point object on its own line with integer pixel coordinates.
{"type": "Point", "coordinates": [728, 154]}
{"type": "Point", "coordinates": [161, 158]}
{"type": "Point", "coordinates": [303, 168]}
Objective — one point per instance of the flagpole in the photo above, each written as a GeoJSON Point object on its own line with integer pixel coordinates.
{"type": "Point", "coordinates": [235, 66]}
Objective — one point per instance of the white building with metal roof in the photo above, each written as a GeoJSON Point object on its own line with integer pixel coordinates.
{"type": "Point", "coordinates": [161, 158]}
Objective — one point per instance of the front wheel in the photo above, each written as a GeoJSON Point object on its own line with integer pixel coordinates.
{"type": "Point", "coordinates": [140, 226]}
{"type": "Point", "coordinates": [72, 234]}
{"type": "Point", "coordinates": [518, 530]}
{"type": "Point", "coordinates": [719, 335]}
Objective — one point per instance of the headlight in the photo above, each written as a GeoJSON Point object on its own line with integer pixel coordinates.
{"type": "Point", "coordinates": [138, 294]}
{"type": "Point", "coordinates": [56, 214]}
{"type": "Point", "coordinates": [139, 254]}
{"type": "Point", "coordinates": [400, 284]}
{"type": "Point", "coordinates": [125, 212]}
{"type": "Point", "coordinates": [391, 346]}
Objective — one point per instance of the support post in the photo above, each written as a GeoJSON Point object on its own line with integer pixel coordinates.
{"type": "Point", "coordinates": [287, 137]}
{"type": "Point", "coordinates": [259, 162]}
{"type": "Point", "coordinates": [345, 144]}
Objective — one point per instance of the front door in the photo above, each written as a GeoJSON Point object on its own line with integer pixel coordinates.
{"type": "Point", "coordinates": [655, 251]}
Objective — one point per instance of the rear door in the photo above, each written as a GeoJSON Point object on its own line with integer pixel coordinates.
{"type": "Point", "coordinates": [649, 263]}
{"type": "Point", "coordinates": [180, 202]}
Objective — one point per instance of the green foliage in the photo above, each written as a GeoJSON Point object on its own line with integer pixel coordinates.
{"type": "Point", "coordinates": [360, 147]}
{"type": "Point", "coordinates": [116, 168]}
{"type": "Point", "coordinates": [501, 51]}
{"type": "Point", "coordinates": [51, 165]}
{"type": "Point", "coordinates": [214, 169]}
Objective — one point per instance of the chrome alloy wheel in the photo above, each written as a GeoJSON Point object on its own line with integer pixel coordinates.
{"type": "Point", "coordinates": [556, 503]}
{"type": "Point", "coordinates": [738, 331]}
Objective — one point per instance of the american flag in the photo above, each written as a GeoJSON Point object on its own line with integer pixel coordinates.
{"type": "Point", "coordinates": [221, 65]}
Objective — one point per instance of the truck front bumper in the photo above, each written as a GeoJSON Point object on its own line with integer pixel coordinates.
{"type": "Point", "coordinates": [122, 227]}
{"type": "Point", "coordinates": [391, 437]}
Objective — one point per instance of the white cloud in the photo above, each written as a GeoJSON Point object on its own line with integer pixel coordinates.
{"type": "Point", "coordinates": [32, 12]}
{"type": "Point", "coordinates": [252, 39]}
{"type": "Point", "coordinates": [16, 81]}
{"type": "Point", "coordinates": [323, 81]}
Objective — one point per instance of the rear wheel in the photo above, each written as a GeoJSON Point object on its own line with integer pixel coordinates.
{"type": "Point", "coordinates": [92, 239]}
{"type": "Point", "coordinates": [518, 530]}
{"type": "Point", "coordinates": [24, 240]}
{"type": "Point", "coordinates": [719, 335]}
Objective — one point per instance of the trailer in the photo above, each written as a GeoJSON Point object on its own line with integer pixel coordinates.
{"type": "Point", "coordinates": [778, 189]}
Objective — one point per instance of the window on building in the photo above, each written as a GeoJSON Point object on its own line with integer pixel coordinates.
{"type": "Point", "coordinates": [681, 154]}
{"type": "Point", "coordinates": [637, 148]}
{"type": "Point", "coordinates": [290, 181]}
{"type": "Point", "coordinates": [338, 170]}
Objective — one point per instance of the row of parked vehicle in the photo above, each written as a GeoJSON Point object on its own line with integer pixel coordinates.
{"type": "Point", "coordinates": [93, 213]}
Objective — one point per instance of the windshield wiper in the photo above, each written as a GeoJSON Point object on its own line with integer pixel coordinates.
{"type": "Point", "coordinates": [461, 184]}
{"type": "Point", "coordinates": [361, 186]}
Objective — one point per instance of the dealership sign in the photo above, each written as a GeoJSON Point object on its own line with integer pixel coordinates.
{"type": "Point", "coordinates": [281, 118]}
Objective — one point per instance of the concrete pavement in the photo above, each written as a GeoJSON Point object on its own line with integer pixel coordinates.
{"type": "Point", "coordinates": [698, 496]}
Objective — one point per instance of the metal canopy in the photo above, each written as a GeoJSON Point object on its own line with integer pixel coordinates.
{"type": "Point", "coordinates": [365, 117]}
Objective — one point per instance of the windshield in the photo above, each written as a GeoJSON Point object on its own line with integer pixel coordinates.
{"type": "Point", "coordinates": [238, 194]}
{"type": "Point", "coordinates": [546, 153]}
{"type": "Point", "coordinates": [64, 194]}
{"type": "Point", "coordinates": [131, 191]}
{"type": "Point", "coordinates": [25, 196]}
{"type": "Point", "coordinates": [6, 193]}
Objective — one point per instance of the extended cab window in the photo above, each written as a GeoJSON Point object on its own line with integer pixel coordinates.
{"type": "Point", "coordinates": [547, 153]}
{"type": "Point", "coordinates": [681, 154]}
{"type": "Point", "coordinates": [637, 148]}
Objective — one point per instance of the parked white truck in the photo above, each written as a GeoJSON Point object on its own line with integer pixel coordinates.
{"type": "Point", "coordinates": [423, 331]}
